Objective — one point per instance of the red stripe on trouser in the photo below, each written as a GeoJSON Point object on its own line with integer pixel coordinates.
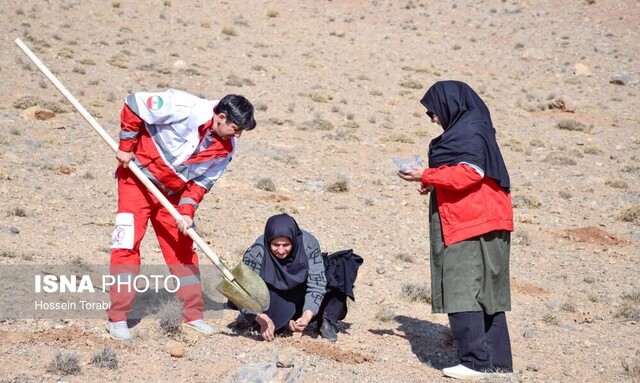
{"type": "Point", "coordinates": [177, 249]}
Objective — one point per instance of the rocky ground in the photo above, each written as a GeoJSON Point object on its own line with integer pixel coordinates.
{"type": "Point", "coordinates": [336, 85]}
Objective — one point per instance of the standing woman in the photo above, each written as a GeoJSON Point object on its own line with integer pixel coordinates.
{"type": "Point", "coordinates": [470, 224]}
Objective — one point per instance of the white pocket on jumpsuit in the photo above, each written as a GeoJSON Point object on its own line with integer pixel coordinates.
{"type": "Point", "coordinates": [122, 236]}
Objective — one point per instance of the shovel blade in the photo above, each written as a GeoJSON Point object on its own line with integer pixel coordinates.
{"type": "Point", "coordinates": [247, 291]}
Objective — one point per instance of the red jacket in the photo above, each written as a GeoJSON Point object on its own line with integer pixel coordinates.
{"type": "Point", "coordinates": [469, 205]}
{"type": "Point", "coordinates": [191, 194]}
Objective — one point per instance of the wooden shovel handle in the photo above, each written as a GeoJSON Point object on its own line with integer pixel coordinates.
{"type": "Point", "coordinates": [134, 168]}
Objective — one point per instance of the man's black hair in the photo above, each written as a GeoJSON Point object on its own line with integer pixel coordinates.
{"type": "Point", "coordinates": [238, 110]}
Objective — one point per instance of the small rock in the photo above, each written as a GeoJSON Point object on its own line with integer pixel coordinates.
{"type": "Point", "coordinates": [178, 350]}
{"type": "Point", "coordinates": [284, 360]}
{"type": "Point", "coordinates": [603, 48]}
{"type": "Point", "coordinates": [581, 70]}
{"type": "Point", "coordinates": [180, 64]}
{"type": "Point", "coordinates": [38, 113]}
{"type": "Point", "coordinates": [563, 103]}
{"type": "Point", "coordinates": [533, 367]}
{"type": "Point", "coordinates": [14, 230]}
{"type": "Point", "coordinates": [620, 78]}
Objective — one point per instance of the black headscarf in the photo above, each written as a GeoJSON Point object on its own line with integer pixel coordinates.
{"type": "Point", "coordinates": [284, 274]}
{"type": "Point", "coordinates": [468, 134]}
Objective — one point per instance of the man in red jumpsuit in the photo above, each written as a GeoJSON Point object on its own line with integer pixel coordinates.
{"type": "Point", "coordinates": [183, 144]}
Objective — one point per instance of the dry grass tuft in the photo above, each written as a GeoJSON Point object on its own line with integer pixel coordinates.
{"type": "Point", "coordinates": [526, 201]}
{"type": "Point", "coordinates": [631, 367]}
{"type": "Point", "coordinates": [169, 313]}
{"type": "Point", "coordinates": [617, 184]}
{"type": "Point", "coordinates": [17, 212]}
{"type": "Point", "coordinates": [559, 159]}
{"type": "Point", "coordinates": [65, 363]}
{"type": "Point", "coordinates": [266, 184]}
{"type": "Point", "coordinates": [385, 314]}
{"type": "Point", "coordinates": [405, 257]}
{"type": "Point", "coordinates": [416, 292]}
{"type": "Point", "coordinates": [573, 125]}
{"type": "Point", "coordinates": [631, 214]}
{"type": "Point", "coordinates": [630, 310]}
{"type": "Point", "coordinates": [551, 319]}
{"type": "Point", "coordinates": [105, 358]}
{"type": "Point", "coordinates": [341, 185]}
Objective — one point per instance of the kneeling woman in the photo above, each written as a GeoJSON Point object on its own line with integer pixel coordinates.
{"type": "Point", "coordinates": [289, 260]}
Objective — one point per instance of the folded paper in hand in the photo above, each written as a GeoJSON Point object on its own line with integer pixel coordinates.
{"type": "Point", "coordinates": [404, 165]}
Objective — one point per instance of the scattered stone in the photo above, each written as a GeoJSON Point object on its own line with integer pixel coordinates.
{"type": "Point", "coordinates": [533, 367]}
{"type": "Point", "coordinates": [620, 78]}
{"type": "Point", "coordinates": [563, 103]}
{"type": "Point", "coordinates": [581, 70]}
{"type": "Point", "coordinates": [284, 360]}
{"type": "Point", "coordinates": [603, 48]}
{"type": "Point", "coordinates": [583, 317]}
{"type": "Point", "coordinates": [180, 64]}
{"type": "Point", "coordinates": [531, 54]}
{"type": "Point", "coordinates": [177, 350]}
{"type": "Point", "coordinates": [265, 372]}
{"type": "Point", "coordinates": [38, 113]}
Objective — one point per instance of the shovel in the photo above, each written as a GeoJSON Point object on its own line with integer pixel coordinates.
{"type": "Point", "coordinates": [241, 285]}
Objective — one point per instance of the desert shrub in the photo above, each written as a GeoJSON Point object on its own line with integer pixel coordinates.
{"type": "Point", "coordinates": [17, 212]}
{"type": "Point", "coordinates": [105, 358]}
{"type": "Point", "coordinates": [559, 159]}
{"type": "Point", "coordinates": [29, 101]}
{"type": "Point", "coordinates": [526, 201]}
{"type": "Point", "coordinates": [341, 185]}
{"type": "Point", "coordinates": [405, 257]}
{"type": "Point", "coordinates": [8, 254]}
{"type": "Point", "coordinates": [537, 143]}
{"type": "Point", "coordinates": [633, 297]}
{"type": "Point", "coordinates": [564, 194]}
{"type": "Point", "coordinates": [573, 125]}
{"type": "Point", "coordinates": [266, 184]}
{"type": "Point", "coordinates": [321, 96]}
{"type": "Point", "coordinates": [385, 314]}
{"type": "Point", "coordinates": [316, 124]}
{"type": "Point", "coordinates": [617, 184]}
{"type": "Point", "coordinates": [169, 314]}
{"type": "Point", "coordinates": [593, 150]}
{"type": "Point", "coordinates": [399, 137]}
{"type": "Point", "coordinates": [229, 31]}
{"type": "Point", "coordinates": [551, 319]}
{"type": "Point", "coordinates": [631, 214]}
{"type": "Point", "coordinates": [631, 367]}
{"type": "Point", "coordinates": [631, 169]}
{"type": "Point", "coordinates": [65, 363]}
{"type": "Point", "coordinates": [411, 84]}
{"type": "Point", "coordinates": [515, 144]}
{"type": "Point", "coordinates": [521, 238]}
{"type": "Point", "coordinates": [628, 312]}
{"type": "Point", "coordinates": [416, 292]}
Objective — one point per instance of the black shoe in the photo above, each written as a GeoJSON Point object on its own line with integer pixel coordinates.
{"type": "Point", "coordinates": [328, 331]}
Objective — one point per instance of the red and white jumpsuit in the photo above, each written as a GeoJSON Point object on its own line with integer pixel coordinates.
{"type": "Point", "coordinates": [171, 137]}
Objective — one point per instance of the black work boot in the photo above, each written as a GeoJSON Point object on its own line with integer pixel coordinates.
{"type": "Point", "coordinates": [328, 331]}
